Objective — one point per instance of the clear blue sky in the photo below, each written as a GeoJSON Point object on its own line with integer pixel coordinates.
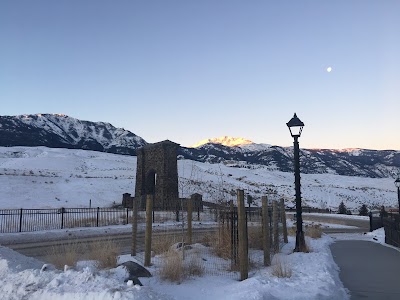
{"type": "Point", "coordinates": [189, 70]}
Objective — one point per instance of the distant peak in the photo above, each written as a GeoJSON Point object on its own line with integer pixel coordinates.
{"type": "Point", "coordinates": [224, 140]}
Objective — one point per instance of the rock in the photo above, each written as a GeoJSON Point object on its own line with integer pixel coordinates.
{"type": "Point", "coordinates": [135, 270]}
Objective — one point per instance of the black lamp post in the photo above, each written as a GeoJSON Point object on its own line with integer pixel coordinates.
{"type": "Point", "coordinates": [296, 127]}
{"type": "Point", "coordinates": [397, 184]}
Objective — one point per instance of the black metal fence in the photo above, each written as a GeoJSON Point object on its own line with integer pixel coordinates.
{"type": "Point", "coordinates": [26, 220]}
{"type": "Point", "coordinates": [391, 223]}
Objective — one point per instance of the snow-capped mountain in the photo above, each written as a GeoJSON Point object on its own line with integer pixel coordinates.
{"type": "Point", "coordinates": [349, 162]}
{"type": "Point", "coordinates": [61, 131]}
{"type": "Point", "coordinates": [224, 140]}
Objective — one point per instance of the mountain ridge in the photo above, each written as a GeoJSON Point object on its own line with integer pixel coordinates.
{"type": "Point", "coordinates": [61, 131]}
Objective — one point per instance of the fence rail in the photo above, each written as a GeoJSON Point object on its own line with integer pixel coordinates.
{"type": "Point", "coordinates": [27, 220]}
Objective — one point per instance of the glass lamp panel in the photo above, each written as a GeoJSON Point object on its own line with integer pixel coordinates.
{"type": "Point", "coordinates": [296, 130]}
{"type": "Point", "coordinates": [397, 182]}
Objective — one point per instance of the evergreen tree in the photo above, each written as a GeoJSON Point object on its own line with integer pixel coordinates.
{"type": "Point", "coordinates": [342, 209]}
{"type": "Point", "coordinates": [363, 211]}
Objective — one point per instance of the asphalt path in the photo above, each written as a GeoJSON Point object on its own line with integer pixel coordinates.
{"type": "Point", "coordinates": [368, 270]}
{"type": "Point", "coordinates": [40, 249]}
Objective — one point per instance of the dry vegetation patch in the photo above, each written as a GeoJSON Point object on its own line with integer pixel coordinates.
{"type": "Point", "coordinates": [104, 252]}
{"type": "Point", "coordinates": [281, 267]}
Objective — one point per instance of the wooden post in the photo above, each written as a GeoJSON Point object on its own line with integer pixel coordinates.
{"type": "Point", "coordinates": [275, 217]}
{"type": "Point", "coordinates": [243, 251]}
{"type": "Point", "coordinates": [147, 242]}
{"type": "Point", "coordinates": [189, 219]}
{"type": "Point", "coordinates": [283, 219]}
{"type": "Point", "coordinates": [266, 233]}
{"type": "Point", "coordinates": [134, 225]}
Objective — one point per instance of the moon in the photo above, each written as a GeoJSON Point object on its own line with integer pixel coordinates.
{"type": "Point", "coordinates": [329, 69]}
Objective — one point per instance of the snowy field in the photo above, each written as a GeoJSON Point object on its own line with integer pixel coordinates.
{"type": "Point", "coordinates": [314, 276]}
{"type": "Point", "coordinates": [40, 177]}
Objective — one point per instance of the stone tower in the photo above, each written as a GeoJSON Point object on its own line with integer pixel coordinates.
{"type": "Point", "coordinates": [157, 174]}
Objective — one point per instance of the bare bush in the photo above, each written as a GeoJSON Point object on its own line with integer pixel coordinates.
{"type": "Point", "coordinates": [292, 231]}
{"type": "Point", "coordinates": [194, 267]}
{"type": "Point", "coordinates": [162, 243]}
{"type": "Point", "coordinates": [67, 254]}
{"type": "Point", "coordinates": [105, 253]}
{"type": "Point", "coordinates": [314, 231]}
{"type": "Point", "coordinates": [255, 237]}
{"type": "Point", "coordinates": [280, 267]}
{"type": "Point", "coordinates": [172, 267]}
{"type": "Point", "coordinates": [222, 245]}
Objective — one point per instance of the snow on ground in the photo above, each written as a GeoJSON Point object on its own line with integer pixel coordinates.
{"type": "Point", "coordinates": [40, 177]}
{"type": "Point", "coordinates": [314, 276]}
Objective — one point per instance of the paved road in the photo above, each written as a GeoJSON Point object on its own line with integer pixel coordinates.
{"type": "Point", "coordinates": [369, 270]}
{"type": "Point", "coordinates": [40, 249]}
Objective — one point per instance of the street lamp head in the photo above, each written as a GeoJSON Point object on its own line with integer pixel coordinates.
{"type": "Point", "coordinates": [295, 126]}
{"type": "Point", "coordinates": [397, 182]}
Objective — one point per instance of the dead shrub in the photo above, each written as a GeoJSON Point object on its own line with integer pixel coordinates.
{"type": "Point", "coordinates": [292, 231]}
{"type": "Point", "coordinates": [194, 267]}
{"type": "Point", "coordinates": [255, 237]}
{"type": "Point", "coordinates": [105, 253]}
{"type": "Point", "coordinates": [280, 267]}
{"type": "Point", "coordinates": [222, 245]}
{"type": "Point", "coordinates": [162, 243]}
{"type": "Point", "coordinates": [66, 254]}
{"type": "Point", "coordinates": [314, 231]}
{"type": "Point", "coordinates": [172, 267]}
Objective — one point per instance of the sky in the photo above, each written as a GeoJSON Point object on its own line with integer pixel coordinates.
{"type": "Point", "coordinates": [191, 70]}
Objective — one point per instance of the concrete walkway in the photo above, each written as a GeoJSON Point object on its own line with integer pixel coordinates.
{"type": "Point", "coordinates": [369, 270]}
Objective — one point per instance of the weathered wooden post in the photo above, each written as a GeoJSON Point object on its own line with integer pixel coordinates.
{"type": "Point", "coordinates": [147, 242]}
{"type": "Point", "coordinates": [266, 233]}
{"type": "Point", "coordinates": [275, 217]}
{"type": "Point", "coordinates": [242, 235]}
{"type": "Point", "coordinates": [189, 219]}
{"type": "Point", "coordinates": [134, 226]}
{"type": "Point", "coordinates": [283, 219]}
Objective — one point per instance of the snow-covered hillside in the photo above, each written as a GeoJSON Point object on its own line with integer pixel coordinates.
{"type": "Point", "coordinates": [40, 177]}
{"type": "Point", "coordinates": [61, 131]}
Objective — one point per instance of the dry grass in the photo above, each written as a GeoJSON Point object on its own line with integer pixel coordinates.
{"type": "Point", "coordinates": [172, 267]}
{"type": "Point", "coordinates": [280, 267]}
{"type": "Point", "coordinates": [104, 252]}
{"type": "Point", "coordinates": [255, 237]}
{"type": "Point", "coordinates": [313, 231]}
{"type": "Point", "coordinates": [162, 243]}
{"type": "Point", "coordinates": [175, 269]}
{"type": "Point", "coordinates": [67, 254]}
{"type": "Point", "coordinates": [222, 243]}
{"type": "Point", "coordinates": [292, 231]}
{"type": "Point", "coordinates": [194, 267]}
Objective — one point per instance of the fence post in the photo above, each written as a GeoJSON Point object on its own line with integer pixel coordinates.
{"type": "Point", "coordinates": [62, 217]}
{"type": "Point", "coordinates": [283, 218]}
{"type": "Point", "coordinates": [134, 226]}
{"type": "Point", "coordinates": [370, 222]}
{"type": "Point", "coordinates": [275, 225]}
{"type": "Point", "coordinates": [147, 242]}
{"type": "Point", "coordinates": [20, 220]}
{"type": "Point", "coordinates": [266, 232]}
{"type": "Point", "coordinates": [189, 218]}
{"type": "Point", "coordinates": [243, 251]}
{"type": "Point", "coordinates": [97, 218]}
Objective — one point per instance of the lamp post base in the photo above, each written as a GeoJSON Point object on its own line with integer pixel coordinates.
{"type": "Point", "coordinates": [300, 242]}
